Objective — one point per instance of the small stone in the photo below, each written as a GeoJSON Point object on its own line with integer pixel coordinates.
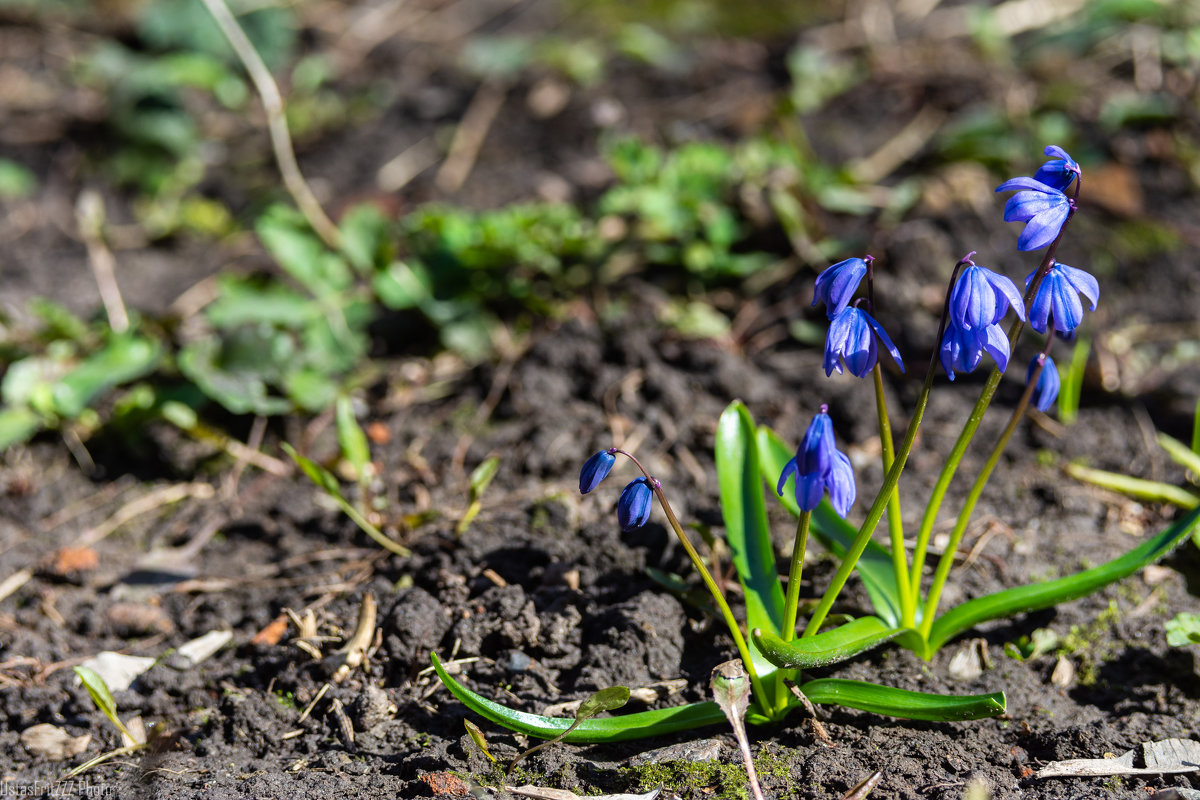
{"type": "Point", "coordinates": [695, 752]}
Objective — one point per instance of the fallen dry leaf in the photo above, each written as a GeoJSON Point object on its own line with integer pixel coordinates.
{"type": "Point", "coordinates": [1168, 757]}
{"type": "Point", "coordinates": [53, 743]}
{"type": "Point", "coordinates": [272, 633]}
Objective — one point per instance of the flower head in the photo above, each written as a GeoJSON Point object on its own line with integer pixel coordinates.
{"type": "Point", "coordinates": [1046, 390]}
{"type": "Point", "coordinates": [1058, 296]}
{"type": "Point", "coordinates": [1044, 210]}
{"type": "Point", "coordinates": [820, 466]}
{"type": "Point", "coordinates": [836, 285]}
{"type": "Point", "coordinates": [963, 348]}
{"type": "Point", "coordinates": [633, 509]}
{"type": "Point", "coordinates": [981, 297]}
{"type": "Point", "coordinates": [595, 470]}
{"type": "Point", "coordinates": [851, 340]}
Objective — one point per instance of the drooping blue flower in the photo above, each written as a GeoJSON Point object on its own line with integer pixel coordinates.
{"type": "Point", "coordinates": [1046, 390]}
{"type": "Point", "coordinates": [595, 470]}
{"type": "Point", "coordinates": [851, 340]}
{"type": "Point", "coordinates": [1060, 171]}
{"type": "Point", "coordinates": [1044, 210]}
{"type": "Point", "coordinates": [1058, 296]}
{"type": "Point", "coordinates": [633, 509]}
{"type": "Point", "coordinates": [837, 284]}
{"type": "Point", "coordinates": [962, 348]}
{"type": "Point", "coordinates": [819, 466]}
{"type": "Point", "coordinates": [981, 297]}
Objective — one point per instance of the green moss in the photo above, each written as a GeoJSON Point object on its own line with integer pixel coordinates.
{"type": "Point", "coordinates": [719, 780]}
{"type": "Point", "coordinates": [1091, 644]}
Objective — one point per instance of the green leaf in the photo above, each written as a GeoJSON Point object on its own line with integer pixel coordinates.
{"type": "Point", "coordinates": [123, 359]}
{"type": "Point", "coordinates": [604, 700]}
{"type": "Point", "coordinates": [1051, 593]}
{"type": "Point", "coordinates": [351, 438]}
{"type": "Point", "coordinates": [16, 180]}
{"type": "Point", "coordinates": [482, 475]}
{"type": "Point", "coordinates": [641, 725]}
{"type": "Point", "coordinates": [903, 703]}
{"type": "Point", "coordinates": [364, 235]}
{"type": "Point", "coordinates": [315, 472]}
{"type": "Point", "coordinates": [828, 647]}
{"type": "Point", "coordinates": [1180, 453]}
{"type": "Point", "coordinates": [1072, 382]}
{"type": "Point", "coordinates": [479, 739]}
{"type": "Point", "coordinates": [97, 689]}
{"type": "Point", "coordinates": [875, 566]}
{"type": "Point", "coordinates": [17, 425]}
{"type": "Point", "coordinates": [1183, 629]}
{"type": "Point", "coordinates": [298, 250]}
{"type": "Point", "coordinates": [746, 526]}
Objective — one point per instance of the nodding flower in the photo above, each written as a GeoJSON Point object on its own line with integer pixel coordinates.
{"type": "Point", "coordinates": [1046, 390]}
{"type": "Point", "coordinates": [1041, 203]}
{"type": "Point", "coordinates": [851, 341]}
{"type": "Point", "coordinates": [981, 297]}
{"type": "Point", "coordinates": [962, 348]}
{"type": "Point", "coordinates": [1058, 296]}
{"type": "Point", "coordinates": [837, 284]}
{"type": "Point", "coordinates": [633, 509]}
{"type": "Point", "coordinates": [595, 470]}
{"type": "Point", "coordinates": [819, 466]}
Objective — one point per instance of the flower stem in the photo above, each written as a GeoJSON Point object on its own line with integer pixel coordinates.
{"type": "Point", "coordinates": [760, 695]}
{"type": "Point", "coordinates": [895, 520]}
{"type": "Point", "coordinates": [792, 601]}
{"type": "Point", "coordinates": [964, 515]}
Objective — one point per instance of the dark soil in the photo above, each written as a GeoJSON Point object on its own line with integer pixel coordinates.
{"type": "Point", "coordinates": [543, 599]}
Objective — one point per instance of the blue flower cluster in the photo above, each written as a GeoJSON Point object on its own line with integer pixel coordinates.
{"type": "Point", "coordinates": [978, 302]}
{"type": "Point", "coordinates": [852, 332]}
{"type": "Point", "coordinates": [637, 498]}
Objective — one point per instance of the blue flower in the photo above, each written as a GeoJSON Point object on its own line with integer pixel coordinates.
{"type": "Point", "coordinates": [963, 348]}
{"type": "Point", "coordinates": [633, 509]}
{"type": "Point", "coordinates": [1047, 385]}
{"type": "Point", "coordinates": [595, 470]}
{"type": "Point", "coordinates": [981, 297]}
{"type": "Point", "coordinates": [1058, 173]}
{"type": "Point", "coordinates": [851, 339]}
{"type": "Point", "coordinates": [1044, 210]}
{"type": "Point", "coordinates": [836, 285]}
{"type": "Point", "coordinates": [820, 466]}
{"type": "Point", "coordinates": [1058, 295]}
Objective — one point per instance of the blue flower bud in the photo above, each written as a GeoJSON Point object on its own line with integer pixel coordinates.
{"type": "Point", "coordinates": [836, 285]}
{"type": "Point", "coordinates": [1046, 390]}
{"type": "Point", "coordinates": [1060, 171]}
{"type": "Point", "coordinates": [595, 470]}
{"type": "Point", "coordinates": [820, 466]}
{"type": "Point", "coordinates": [633, 509]}
{"type": "Point", "coordinates": [1058, 295]}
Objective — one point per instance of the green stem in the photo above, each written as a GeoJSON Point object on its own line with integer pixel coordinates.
{"type": "Point", "coordinates": [760, 695]}
{"type": "Point", "coordinates": [964, 515]}
{"type": "Point", "coordinates": [791, 602]}
{"type": "Point", "coordinates": [895, 520]}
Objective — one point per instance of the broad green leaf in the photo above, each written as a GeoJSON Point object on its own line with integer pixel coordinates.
{"type": "Point", "coordinates": [1183, 629]}
{"type": "Point", "coordinates": [17, 425]}
{"type": "Point", "coordinates": [641, 725]}
{"type": "Point", "coordinates": [122, 359]}
{"type": "Point", "coordinates": [298, 250]}
{"type": "Point", "coordinates": [241, 390]}
{"type": "Point", "coordinates": [1051, 593]}
{"type": "Point", "coordinates": [746, 527]}
{"type": "Point", "coordinates": [875, 566]}
{"type": "Point", "coordinates": [351, 438]}
{"type": "Point", "coordinates": [402, 286]}
{"type": "Point", "coordinates": [828, 647]}
{"type": "Point", "coordinates": [252, 301]}
{"type": "Point", "coordinates": [315, 472]}
{"type": "Point", "coordinates": [903, 703]}
{"type": "Point", "coordinates": [97, 689]}
{"type": "Point", "coordinates": [364, 234]}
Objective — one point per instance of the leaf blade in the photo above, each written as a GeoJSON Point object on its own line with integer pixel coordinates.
{"type": "Point", "coordinates": [903, 703]}
{"type": "Point", "coordinates": [828, 647]}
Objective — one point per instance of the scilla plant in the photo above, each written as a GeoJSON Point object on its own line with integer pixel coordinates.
{"type": "Point", "coordinates": [773, 646]}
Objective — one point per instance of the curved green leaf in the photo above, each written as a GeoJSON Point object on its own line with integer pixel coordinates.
{"type": "Point", "coordinates": [1050, 593]}
{"type": "Point", "coordinates": [746, 527]}
{"type": "Point", "coordinates": [641, 725]}
{"type": "Point", "coordinates": [875, 566]}
{"type": "Point", "coordinates": [828, 647]}
{"type": "Point", "coordinates": [903, 703]}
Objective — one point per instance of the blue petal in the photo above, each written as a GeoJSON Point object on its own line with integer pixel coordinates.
{"type": "Point", "coordinates": [1025, 183]}
{"type": "Point", "coordinates": [817, 448]}
{"type": "Point", "coordinates": [996, 344]}
{"type": "Point", "coordinates": [595, 470]}
{"type": "Point", "coordinates": [809, 491]}
{"type": "Point", "coordinates": [788, 470]}
{"type": "Point", "coordinates": [837, 284]}
{"type": "Point", "coordinates": [887, 343]}
{"type": "Point", "coordinates": [1046, 390]}
{"type": "Point", "coordinates": [1005, 287]}
{"type": "Point", "coordinates": [1039, 310]}
{"type": "Point", "coordinates": [1044, 227]}
{"type": "Point", "coordinates": [1064, 302]}
{"type": "Point", "coordinates": [1083, 282]}
{"type": "Point", "coordinates": [840, 482]}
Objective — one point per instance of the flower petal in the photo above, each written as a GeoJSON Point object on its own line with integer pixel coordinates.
{"type": "Point", "coordinates": [840, 482]}
{"type": "Point", "coordinates": [595, 470]}
{"type": "Point", "coordinates": [887, 342]}
{"type": "Point", "coordinates": [789, 469]}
